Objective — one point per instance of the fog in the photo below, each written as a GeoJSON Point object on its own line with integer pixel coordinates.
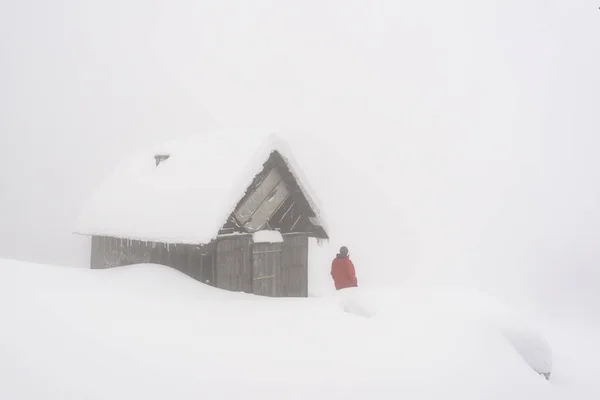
{"type": "Point", "coordinates": [472, 126]}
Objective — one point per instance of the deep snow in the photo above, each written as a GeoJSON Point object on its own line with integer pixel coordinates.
{"type": "Point", "coordinates": [147, 331]}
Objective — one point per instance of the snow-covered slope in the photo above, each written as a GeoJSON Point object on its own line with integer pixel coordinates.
{"type": "Point", "coordinates": [149, 332]}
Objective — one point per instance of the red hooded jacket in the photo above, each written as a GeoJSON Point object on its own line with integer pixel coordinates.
{"type": "Point", "coordinates": [343, 273]}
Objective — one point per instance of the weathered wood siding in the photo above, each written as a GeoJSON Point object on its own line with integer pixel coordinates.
{"type": "Point", "coordinates": [195, 261]}
{"type": "Point", "coordinates": [233, 263]}
{"type": "Point", "coordinates": [266, 267]}
{"type": "Point", "coordinates": [96, 253]}
{"type": "Point", "coordinates": [293, 277]}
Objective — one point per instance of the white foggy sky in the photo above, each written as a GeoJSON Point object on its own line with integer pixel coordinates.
{"type": "Point", "coordinates": [479, 119]}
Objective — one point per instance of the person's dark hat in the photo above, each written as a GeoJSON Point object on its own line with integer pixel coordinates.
{"type": "Point", "coordinates": [343, 251]}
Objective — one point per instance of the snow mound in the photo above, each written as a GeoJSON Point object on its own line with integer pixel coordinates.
{"type": "Point", "coordinates": [147, 331]}
{"type": "Point", "coordinates": [473, 307]}
{"type": "Point", "coordinates": [353, 301]}
{"type": "Point", "coordinates": [267, 237]}
{"type": "Point", "coordinates": [531, 345]}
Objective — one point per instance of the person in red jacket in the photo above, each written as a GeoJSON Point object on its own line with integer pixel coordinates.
{"type": "Point", "coordinates": [342, 270]}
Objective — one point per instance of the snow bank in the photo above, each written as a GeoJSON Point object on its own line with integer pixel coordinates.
{"type": "Point", "coordinates": [151, 332]}
{"type": "Point", "coordinates": [188, 197]}
{"type": "Point", "coordinates": [355, 301]}
{"type": "Point", "coordinates": [267, 237]}
{"type": "Point", "coordinates": [473, 307]}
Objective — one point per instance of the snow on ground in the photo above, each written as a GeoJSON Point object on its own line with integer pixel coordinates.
{"type": "Point", "coordinates": [150, 332]}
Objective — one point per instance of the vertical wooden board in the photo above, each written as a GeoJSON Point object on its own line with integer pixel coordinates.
{"type": "Point", "coordinates": [204, 273]}
{"type": "Point", "coordinates": [165, 254]}
{"type": "Point", "coordinates": [105, 253]}
{"type": "Point", "coordinates": [121, 254]}
{"type": "Point", "coordinates": [95, 252]}
{"type": "Point", "coordinates": [160, 253]}
{"type": "Point", "coordinates": [118, 254]}
{"type": "Point", "coordinates": [283, 278]}
{"type": "Point", "coordinates": [245, 277]}
{"type": "Point", "coordinates": [173, 258]}
{"type": "Point", "coordinates": [232, 259]}
{"type": "Point", "coordinates": [138, 252]}
{"type": "Point", "coordinates": [133, 251]}
{"type": "Point", "coordinates": [207, 258]}
{"type": "Point", "coordinates": [214, 262]}
{"type": "Point", "coordinates": [295, 264]}
{"type": "Point", "coordinates": [203, 268]}
{"type": "Point", "coordinates": [189, 260]}
{"type": "Point", "coordinates": [266, 265]}
{"type": "Point", "coordinates": [178, 259]}
{"type": "Point", "coordinates": [186, 258]}
{"type": "Point", "coordinates": [124, 252]}
{"type": "Point", "coordinates": [127, 251]}
{"type": "Point", "coordinates": [155, 253]}
{"type": "Point", "coordinates": [147, 252]}
{"type": "Point", "coordinates": [110, 256]}
{"type": "Point", "coordinates": [175, 253]}
{"type": "Point", "coordinates": [115, 251]}
{"type": "Point", "coordinates": [141, 252]}
{"type": "Point", "coordinates": [99, 256]}
{"type": "Point", "coordinates": [223, 264]}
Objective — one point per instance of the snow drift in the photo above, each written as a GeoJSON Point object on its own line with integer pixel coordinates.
{"type": "Point", "coordinates": [150, 332]}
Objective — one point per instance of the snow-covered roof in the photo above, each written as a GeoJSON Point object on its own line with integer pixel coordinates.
{"type": "Point", "coordinates": [190, 195]}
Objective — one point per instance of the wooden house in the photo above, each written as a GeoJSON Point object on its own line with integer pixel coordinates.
{"type": "Point", "coordinates": [231, 211]}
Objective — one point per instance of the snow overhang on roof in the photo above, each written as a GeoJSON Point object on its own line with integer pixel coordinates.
{"type": "Point", "coordinates": [189, 198]}
{"type": "Point", "coordinates": [265, 236]}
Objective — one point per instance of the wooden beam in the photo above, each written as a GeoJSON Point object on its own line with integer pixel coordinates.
{"type": "Point", "coordinates": [297, 220]}
{"type": "Point", "coordinates": [286, 212]}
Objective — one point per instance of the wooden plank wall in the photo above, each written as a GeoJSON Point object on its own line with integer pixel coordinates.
{"type": "Point", "coordinates": [233, 263]}
{"type": "Point", "coordinates": [193, 260]}
{"type": "Point", "coordinates": [293, 280]}
{"type": "Point", "coordinates": [266, 266]}
{"type": "Point", "coordinates": [97, 253]}
{"type": "Point", "coordinates": [227, 264]}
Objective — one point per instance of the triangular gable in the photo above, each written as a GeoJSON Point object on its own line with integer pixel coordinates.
{"type": "Point", "coordinates": [275, 200]}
